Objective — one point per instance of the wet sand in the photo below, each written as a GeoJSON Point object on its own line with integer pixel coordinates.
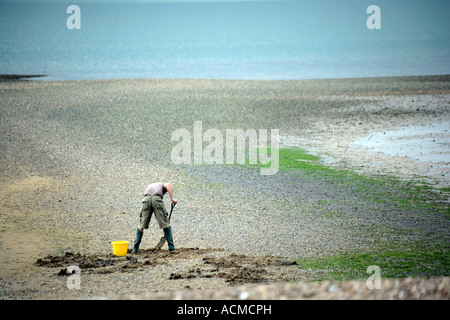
{"type": "Point", "coordinates": [407, 137]}
{"type": "Point", "coordinates": [76, 156]}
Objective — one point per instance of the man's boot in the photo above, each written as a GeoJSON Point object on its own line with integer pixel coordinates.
{"type": "Point", "coordinates": [168, 236]}
{"type": "Point", "coordinates": [137, 240]}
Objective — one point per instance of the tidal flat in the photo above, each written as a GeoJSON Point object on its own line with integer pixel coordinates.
{"type": "Point", "coordinates": [77, 155]}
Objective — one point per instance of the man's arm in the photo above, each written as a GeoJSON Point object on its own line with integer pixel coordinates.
{"type": "Point", "coordinates": [169, 189]}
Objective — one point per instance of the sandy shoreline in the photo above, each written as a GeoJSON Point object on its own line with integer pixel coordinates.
{"type": "Point", "coordinates": [395, 142]}
{"type": "Point", "coordinates": [76, 156]}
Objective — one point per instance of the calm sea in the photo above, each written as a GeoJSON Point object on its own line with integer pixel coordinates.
{"type": "Point", "coordinates": [228, 40]}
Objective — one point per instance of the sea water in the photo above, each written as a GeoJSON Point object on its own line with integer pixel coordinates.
{"type": "Point", "coordinates": [425, 143]}
{"type": "Point", "coordinates": [225, 40]}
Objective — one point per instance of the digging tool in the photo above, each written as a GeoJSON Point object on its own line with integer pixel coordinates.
{"type": "Point", "coordinates": [163, 239]}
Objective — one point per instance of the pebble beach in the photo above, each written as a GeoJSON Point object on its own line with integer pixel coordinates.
{"type": "Point", "coordinates": [77, 155]}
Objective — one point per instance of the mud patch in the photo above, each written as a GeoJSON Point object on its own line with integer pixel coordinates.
{"type": "Point", "coordinates": [109, 263]}
{"type": "Point", "coordinates": [238, 269]}
{"type": "Point", "coordinates": [204, 263]}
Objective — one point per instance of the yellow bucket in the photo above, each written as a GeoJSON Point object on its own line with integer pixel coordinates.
{"type": "Point", "coordinates": [120, 248]}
